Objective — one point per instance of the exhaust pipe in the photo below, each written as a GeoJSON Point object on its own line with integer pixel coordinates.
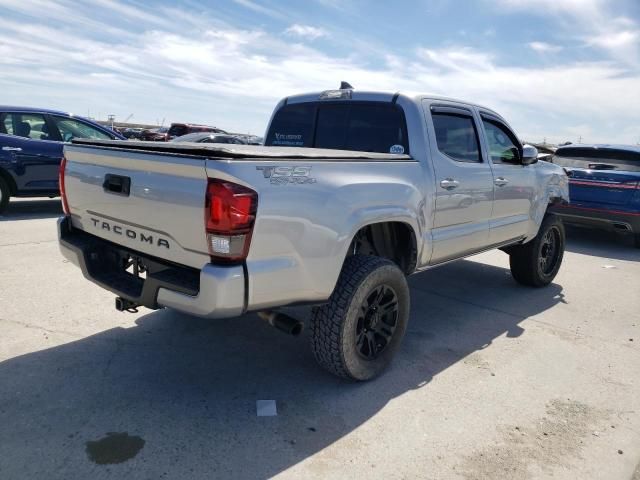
{"type": "Point", "coordinates": [124, 305]}
{"type": "Point", "coordinates": [282, 322]}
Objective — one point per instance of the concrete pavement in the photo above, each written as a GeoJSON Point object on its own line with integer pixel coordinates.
{"type": "Point", "coordinates": [494, 380]}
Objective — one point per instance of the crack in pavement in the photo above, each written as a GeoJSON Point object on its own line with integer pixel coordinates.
{"type": "Point", "coordinates": [37, 327]}
{"type": "Point", "coordinates": [27, 243]}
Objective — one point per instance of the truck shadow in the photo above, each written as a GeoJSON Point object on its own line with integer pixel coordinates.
{"type": "Point", "coordinates": [601, 243]}
{"type": "Point", "coordinates": [31, 209]}
{"type": "Point", "coordinates": [188, 387]}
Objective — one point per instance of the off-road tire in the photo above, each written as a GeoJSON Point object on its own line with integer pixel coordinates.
{"type": "Point", "coordinates": [525, 260]}
{"type": "Point", "coordinates": [5, 193]}
{"type": "Point", "coordinates": [335, 325]}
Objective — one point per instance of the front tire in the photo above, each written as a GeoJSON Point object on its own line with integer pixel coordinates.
{"type": "Point", "coordinates": [5, 193]}
{"type": "Point", "coordinates": [537, 262]}
{"type": "Point", "coordinates": [356, 334]}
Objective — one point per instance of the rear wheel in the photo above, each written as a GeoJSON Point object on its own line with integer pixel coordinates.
{"type": "Point", "coordinates": [356, 334]}
{"type": "Point", "coordinates": [5, 193]}
{"type": "Point", "coordinates": [537, 262]}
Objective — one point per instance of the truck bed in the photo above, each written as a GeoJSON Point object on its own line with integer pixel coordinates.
{"type": "Point", "coordinates": [239, 152]}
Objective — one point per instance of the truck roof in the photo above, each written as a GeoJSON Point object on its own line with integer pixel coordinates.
{"type": "Point", "coordinates": [379, 96]}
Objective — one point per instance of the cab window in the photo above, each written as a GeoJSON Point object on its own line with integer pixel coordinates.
{"type": "Point", "coordinates": [503, 148]}
{"type": "Point", "coordinates": [70, 128]}
{"type": "Point", "coordinates": [457, 137]}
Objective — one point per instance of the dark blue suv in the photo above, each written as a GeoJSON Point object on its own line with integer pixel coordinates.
{"type": "Point", "coordinates": [604, 186]}
{"type": "Point", "coordinates": [31, 143]}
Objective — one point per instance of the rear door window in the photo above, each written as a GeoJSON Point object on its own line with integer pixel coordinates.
{"type": "Point", "coordinates": [26, 125]}
{"type": "Point", "coordinates": [598, 159]}
{"type": "Point", "coordinates": [357, 126]}
{"type": "Point", "coordinates": [457, 137]}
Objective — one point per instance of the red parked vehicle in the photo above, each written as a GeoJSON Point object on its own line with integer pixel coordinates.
{"type": "Point", "coordinates": [155, 134]}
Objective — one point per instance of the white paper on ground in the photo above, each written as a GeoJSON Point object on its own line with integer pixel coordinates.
{"type": "Point", "coordinates": [266, 408]}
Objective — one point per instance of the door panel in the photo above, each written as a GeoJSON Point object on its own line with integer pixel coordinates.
{"type": "Point", "coordinates": [38, 163]}
{"type": "Point", "coordinates": [515, 183]}
{"type": "Point", "coordinates": [464, 182]}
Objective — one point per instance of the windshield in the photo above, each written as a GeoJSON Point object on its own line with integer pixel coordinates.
{"type": "Point", "coordinates": [360, 126]}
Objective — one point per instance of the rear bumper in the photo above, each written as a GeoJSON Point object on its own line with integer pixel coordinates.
{"type": "Point", "coordinates": [599, 218]}
{"type": "Point", "coordinates": [213, 292]}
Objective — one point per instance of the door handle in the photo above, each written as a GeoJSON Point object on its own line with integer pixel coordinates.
{"type": "Point", "coordinates": [12, 149]}
{"type": "Point", "coordinates": [501, 181]}
{"type": "Point", "coordinates": [449, 184]}
{"type": "Point", "coordinates": [117, 184]}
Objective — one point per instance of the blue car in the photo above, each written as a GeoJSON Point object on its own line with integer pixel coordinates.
{"type": "Point", "coordinates": [604, 186]}
{"type": "Point", "coordinates": [31, 143]}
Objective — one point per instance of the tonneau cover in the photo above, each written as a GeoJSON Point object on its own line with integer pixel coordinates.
{"type": "Point", "coordinates": [223, 150]}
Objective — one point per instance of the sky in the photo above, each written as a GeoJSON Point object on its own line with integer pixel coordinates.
{"type": "Point", "coordinates": [558, 70]}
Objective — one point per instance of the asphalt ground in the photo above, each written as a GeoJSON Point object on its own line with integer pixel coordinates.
{"type": "Point", "coordinates": [494, 380]}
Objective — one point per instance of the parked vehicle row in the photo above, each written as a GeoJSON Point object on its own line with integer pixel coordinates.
{"type": "Point", "coordinates": [353, 192]}
{"type": "Point", "coordinates": [31, 145]}
{"type": "Point", "coordinates": [31, 149]}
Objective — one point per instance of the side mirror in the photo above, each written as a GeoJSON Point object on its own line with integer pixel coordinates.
{"type": "Point", "coordinates": [529, 155]}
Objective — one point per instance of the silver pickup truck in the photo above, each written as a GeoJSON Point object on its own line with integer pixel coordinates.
{"type": "Point", "coordinates": [352, 192]}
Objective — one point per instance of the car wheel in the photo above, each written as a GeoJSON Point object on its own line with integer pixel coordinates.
{"type": "Point", "coordinates": [636, 240]}
{"type": "Point", "coordinates": [5, 193]}
{"type": "Point", "coordinates": [356, 334]}
{"type": "Point", "coordinates": [536, 263]}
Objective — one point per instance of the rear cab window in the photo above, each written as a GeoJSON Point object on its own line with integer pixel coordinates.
{"type": "Point", "coordinates": [597, 158]}
{"type": "Point", "coordinates": [358, 126]}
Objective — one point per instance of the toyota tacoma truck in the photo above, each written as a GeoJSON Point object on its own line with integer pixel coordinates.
{"type": "Point", "coordinates": [351, 193]}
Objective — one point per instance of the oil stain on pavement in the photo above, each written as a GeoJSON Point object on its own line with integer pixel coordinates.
{"type": "Point", "coordinates": [114, 448]}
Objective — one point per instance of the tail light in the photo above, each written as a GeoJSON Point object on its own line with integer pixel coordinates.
{"type": "Point", "coordinates": [230, 211]}
{"type": "Point", "coordinates": [63, 193]}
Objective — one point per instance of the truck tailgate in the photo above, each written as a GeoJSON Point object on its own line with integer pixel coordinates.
{"type": "Point", "coordinates": [152, 203]}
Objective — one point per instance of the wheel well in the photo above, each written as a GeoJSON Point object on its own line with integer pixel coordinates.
{"type": "Point", "coordinates": [13, 188]}
{"type": "Point", "coordinates": [393, 240]}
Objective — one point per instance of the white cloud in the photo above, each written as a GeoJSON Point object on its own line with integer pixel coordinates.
{"type": "Point", "coordinates": [544, 47]}
{"type": "Point", "coordinates": [306, 31]}
{"type": "Point", "coordinates": [616, 40]}
{"type": "Point", "coordinates": [591, 22]}
{"type": "Point", "coordinates": [256, 7]}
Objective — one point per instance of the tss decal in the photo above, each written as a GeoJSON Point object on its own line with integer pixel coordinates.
{"type": "Point", "coordinates": [287, 175]}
